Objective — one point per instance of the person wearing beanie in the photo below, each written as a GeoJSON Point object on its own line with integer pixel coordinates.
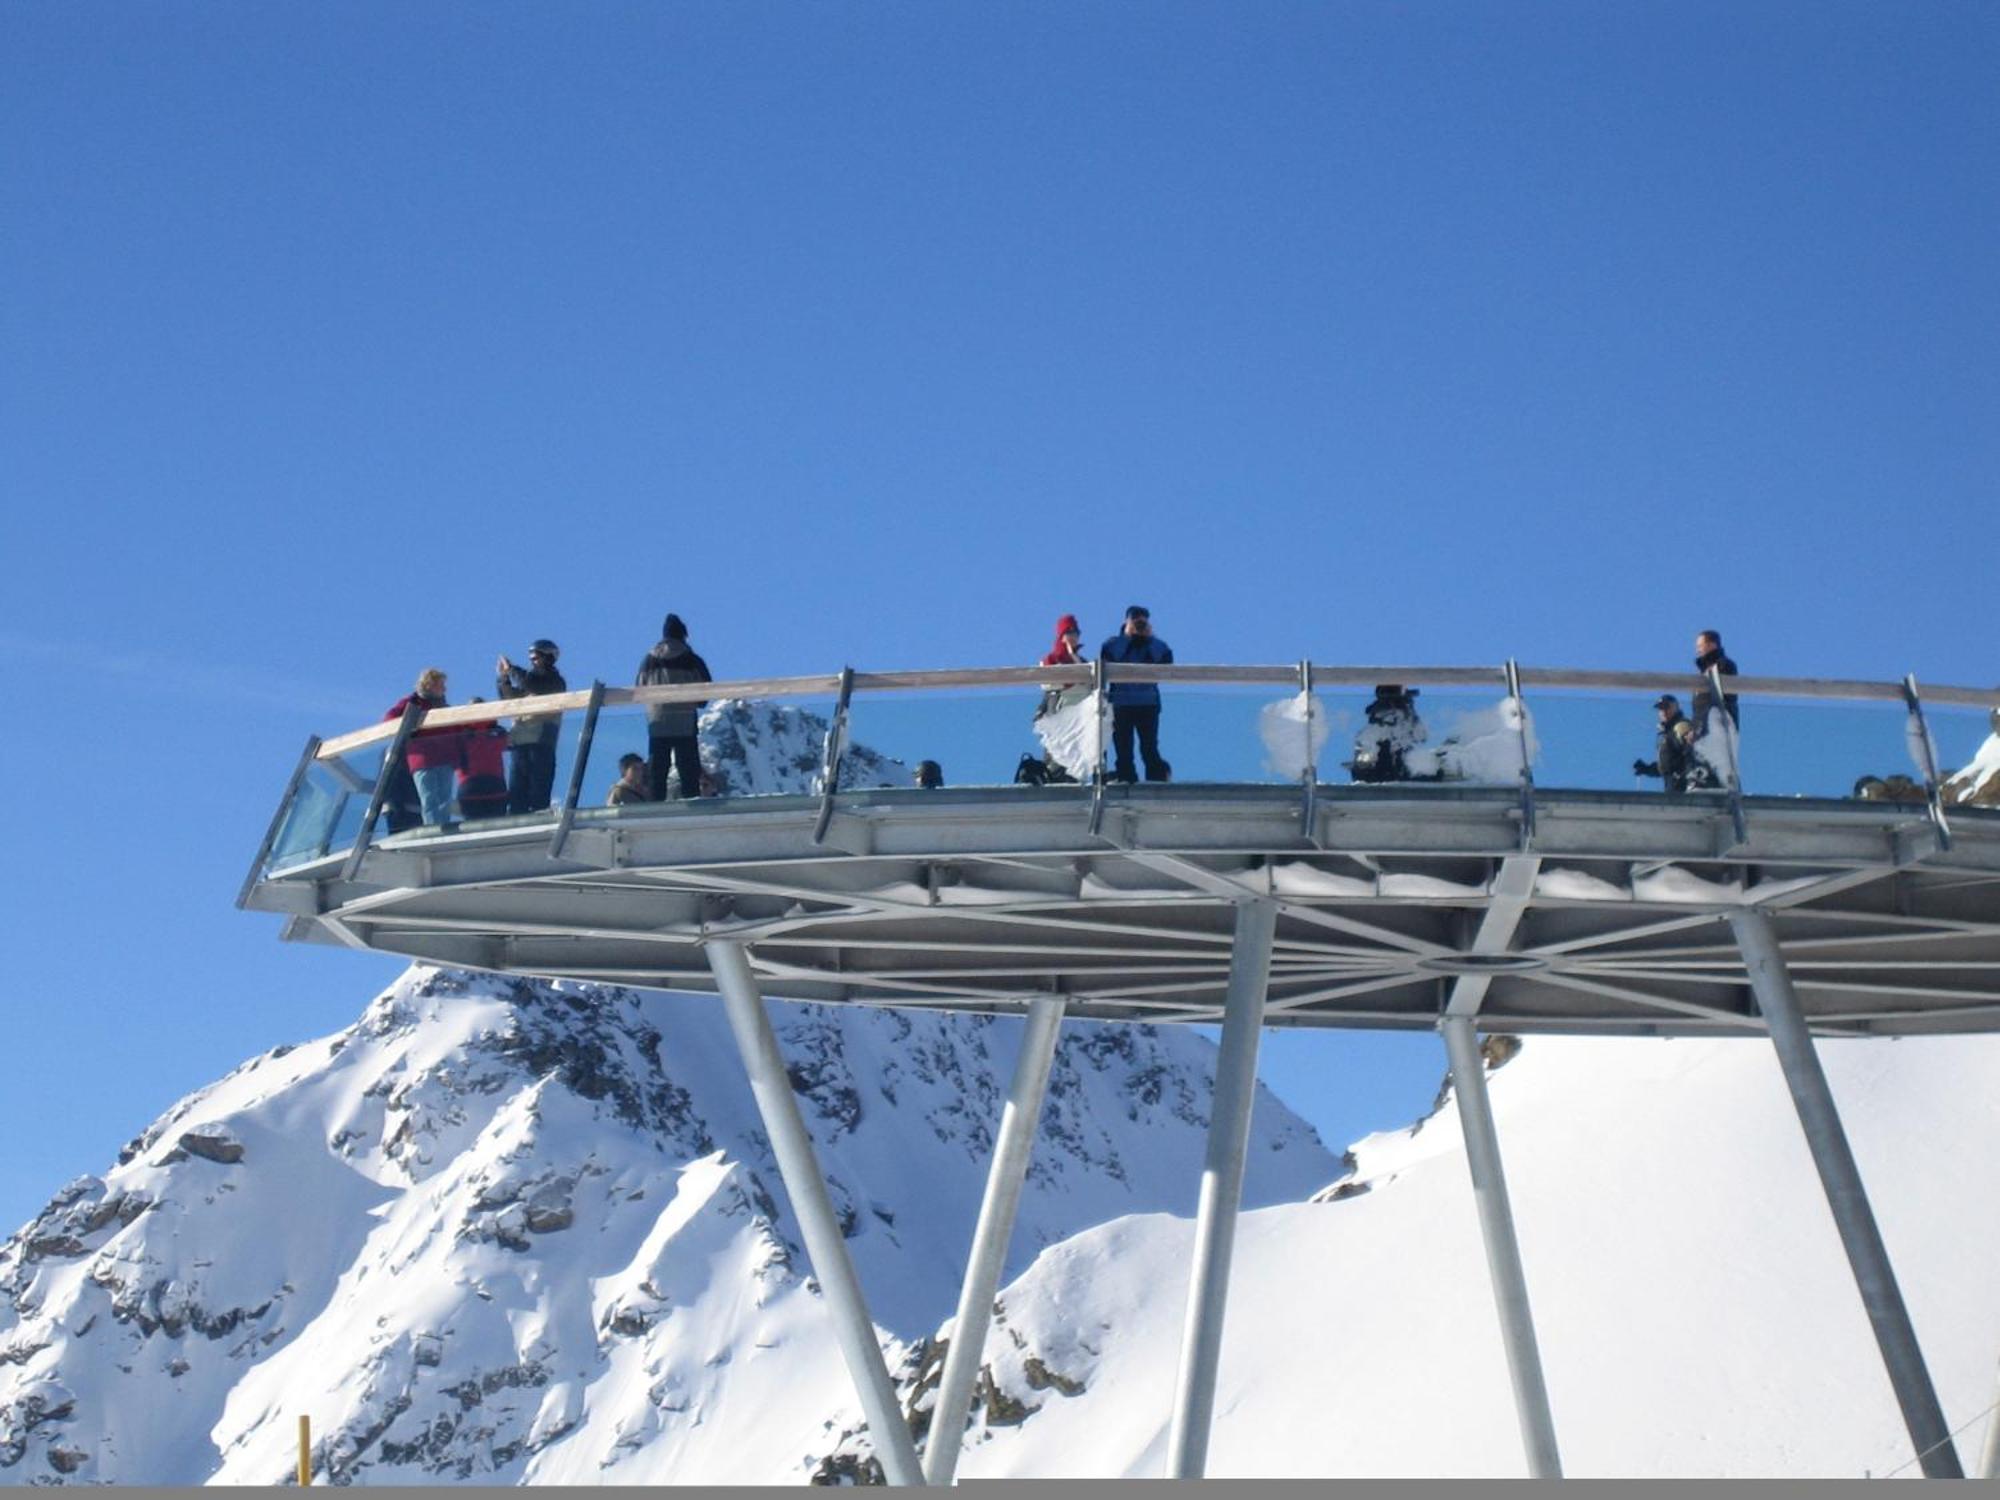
{"type": "Point", "coordinates": [671, 728]}
{"type": "Point", "coordinates": [1135, 706]}
{"type": "Point", "coordinates": [1068, 648]}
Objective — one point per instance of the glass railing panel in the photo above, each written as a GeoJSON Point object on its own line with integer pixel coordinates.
{"type": "Point", "coordinates": [1796, 747]}
{"type": "Point", "coordinates": [1397, 735]}
{"type": "Point", "coordinates": [326, 811]}
{"type": "Point", "coordinates": [1597, 740]}
{"type": "Point", "coordinates": [972, 736]}
{"type": "Point", "coordinates": [744, 748]}
{"type": "Point", "coordinates": [1225, 734]}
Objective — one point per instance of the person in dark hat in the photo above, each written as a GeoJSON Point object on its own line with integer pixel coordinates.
{"type": "Point", "coordinates": [531, 743]}
{"type": "Point", "coordinates": [1674, 760]}
{"type": "Point", "coordinates": [1135, 706]}
{"type": "Point", "coordinates": [930, 775]}
{"type": "Point", "coordinates": [671, 728]}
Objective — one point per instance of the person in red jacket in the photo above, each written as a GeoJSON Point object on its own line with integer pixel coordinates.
{"type": "Point", "coordinates": [1068, 649]}
{"type": "Point", "coordinates": [431, 754]}
{"type": "Point", "coordinates": [482, 770]}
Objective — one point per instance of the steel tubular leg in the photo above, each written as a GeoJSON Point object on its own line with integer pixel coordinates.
{"type": "Point", "coordinates": [1845, 1195]}
{"type": "Point", "coordinates": [1221, 1189]}
{"type": "Point", "coordinates": [1503, 1251]}
{"type": "Point", "coordinates": [798, 1164]}
{"type": "Point", "coordinates": [1011, 1150]}
{"type": "Point", "coordinates": [1989, 1462]}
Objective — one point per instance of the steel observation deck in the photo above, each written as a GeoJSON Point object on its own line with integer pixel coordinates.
{"type": "Point", "coordinates": [1516, 892]}
{"type": "Point", "coordinates": [1541, 908]}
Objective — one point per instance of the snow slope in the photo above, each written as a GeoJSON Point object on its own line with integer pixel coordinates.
{"type": "Point", "coordinates": [510, 1230]}
{"type": "Point", "coordinates": [1696, 1314]}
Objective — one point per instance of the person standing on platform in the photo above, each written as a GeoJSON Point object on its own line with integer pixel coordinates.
{"type": "Point", "coordinates": [1068, 649]}
{"type": "Point", "coordinates": [431, 754]}
{"type": "Point", "coordinates": [531, 745]}
{"type": "Point", "coordinates": [1708, 653]}
{"type": "Point", "coordinates": [482, 770]}
{"type": "Point", "coordinates": [1674, 759]}
{"type": "Point", "coordinates": [1135, 706]}
{"type": "Point", "coordinates": [671, 728]}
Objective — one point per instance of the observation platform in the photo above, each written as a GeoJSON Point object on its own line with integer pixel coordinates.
{"type": "Point", "coordinates": [1502, 877]}
{"type": "Point", "coordinates": [1542, 908]}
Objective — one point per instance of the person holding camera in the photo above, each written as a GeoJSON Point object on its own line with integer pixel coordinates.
{"type": "Point", "coordinates": [531, 744]}
{"type": "Point", "coordinates": [1135, 706]}
{"type": "Point", "coordinates": [1674, 760]}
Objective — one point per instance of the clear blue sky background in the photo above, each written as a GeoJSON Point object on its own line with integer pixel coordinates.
{"type": "Point", "coordinates": [336, 340]}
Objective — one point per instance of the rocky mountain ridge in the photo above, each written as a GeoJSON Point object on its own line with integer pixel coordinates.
{"type": "Point", "coordinates": [506, 1230]}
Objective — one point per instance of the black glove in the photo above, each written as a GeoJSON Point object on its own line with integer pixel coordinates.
{"type": "Point", "coordinates": [1644, 768]}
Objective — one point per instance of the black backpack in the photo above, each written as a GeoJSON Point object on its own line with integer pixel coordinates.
{"type": "Point", "coordinates": [1031, 772]}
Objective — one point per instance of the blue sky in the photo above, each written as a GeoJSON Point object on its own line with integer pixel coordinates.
{"type": "Point", "coordinates": [335, 341]}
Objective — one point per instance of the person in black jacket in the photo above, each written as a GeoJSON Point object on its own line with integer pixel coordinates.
{"type": "Point", "coordinates": [671, 727]}
{"type": "Point", "coordinates": [1708, 653]}
{"type": "Point", "coordinates": [1674, 760]}
{"type": "Point", "coordinates": [531, 743]}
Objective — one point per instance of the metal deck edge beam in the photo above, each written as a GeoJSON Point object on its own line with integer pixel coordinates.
{"type": "Point", "coordinates": [1846, 1196]}
{"type": "Point", "coordinates": [1011, 1151]}
{"type": "Point", "coordinates": [798, 1166]}
{"type": "Point", "coordinates": [1221, 1190]}
{"type": "Point", "coordinates": [1503, 1250]}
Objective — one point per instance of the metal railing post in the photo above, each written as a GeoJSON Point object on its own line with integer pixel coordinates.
{"type": "Point", "coordinates": [1512, 672]}
{"type": "Point", "coordinates": [574, 795]}
{"type": "Point", "coordinates": [836, 746]}
{"type": "Point", "coordinates": [1221, 1188]}
{"type": "Point", "coordinates": [1732, 737]}
{"type": "Point", "coordinates": [391, 759]}
{"type": "Point", "coordinates": [1011, 1151]}
{"type": "Point", "coordinates": [1920, 737]}
{"type": "Point", "coordinates": [278, 820]}
{"type": "Point", "coordinates": [1881, 1297]}
{"type": "Point", "coordinates": [1309, 803]}
{"type": "Point", "coordinates": [798, 1166]}
{"type": "Point", "coordinates": [1098, 774]}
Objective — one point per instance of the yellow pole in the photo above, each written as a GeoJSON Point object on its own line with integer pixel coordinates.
{"type": "Point", "coordinates": [305, 1450]}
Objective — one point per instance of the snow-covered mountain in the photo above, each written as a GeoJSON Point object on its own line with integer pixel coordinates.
{"type": "Point", "coordinates": [1695, 1312]}
{"type": "Point", "coordinates": [1979, 781]}
{"type": "Point", "coordinates": [512, 1230]}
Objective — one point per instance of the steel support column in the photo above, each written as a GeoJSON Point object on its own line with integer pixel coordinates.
{"type": "Point", "coordinates": [1503, 1250]}
{"type": "Point", "coordinates": [798, 1165]}
{"type": "Point", "coordinates": [1845, 1195]}
{"type": "Point", "coordinates": [1221, 1188]}
{"type": "Point", "coordinates": [1011, 1150]}
{"type": "Point", "coordinates": [1989, 1461]}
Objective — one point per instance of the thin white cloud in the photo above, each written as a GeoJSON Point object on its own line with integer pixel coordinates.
{"type": "Point", "coordinates": [176, 676]}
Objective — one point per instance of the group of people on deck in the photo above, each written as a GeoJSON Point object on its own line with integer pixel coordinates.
{"type": "Point", "coordinates": [485, 770]}
{"type": "Point", "coordinates": [1677, 761]}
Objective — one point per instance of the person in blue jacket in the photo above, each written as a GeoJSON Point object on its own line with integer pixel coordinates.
{"type": "Point", "coordinates": [1135, 706]}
